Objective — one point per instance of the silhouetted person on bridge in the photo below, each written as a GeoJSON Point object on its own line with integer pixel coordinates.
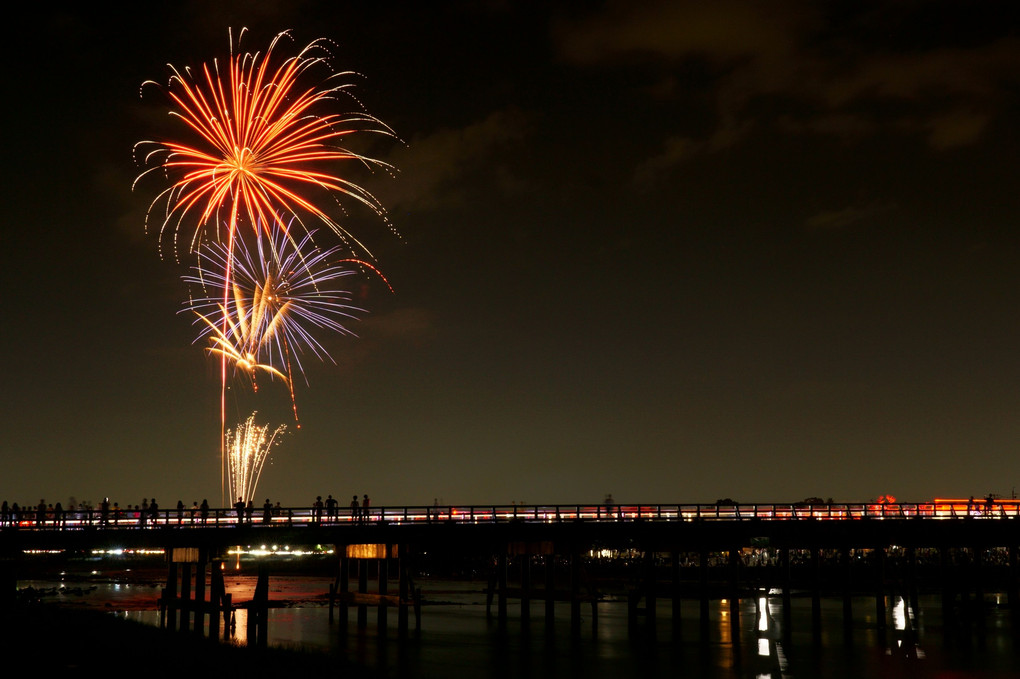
{"type": "Point", "coordinates": [317, 510]}
{"type": "Point", "coordinates": [364, 507]}
{"type": "Point", "coordinates": [239, 508]}
{"type": "Point", "coordinates": [153, 511]}
{"type": "Point", "coordinates": [267, 512]}
{"type": "Point", "coordinates": [330, 509]}
{"type": "Point", "coordinates": [205, 511]}
{"type": "Point", "coordinates": [40, 513]}
{"type": "Point", "coordinates": [355, 509]}
{"type": "Point", "coordinates": [180, 511]}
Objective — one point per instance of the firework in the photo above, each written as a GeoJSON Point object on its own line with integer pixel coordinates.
{"type": "Point", "coordinates": [248, 448]}
{"type": "Point", "coordinates": [283, 294]}
{"type": "Point", "coordinates": [239, 347]}
{"type": "Point", "coordinates": [263, 140]}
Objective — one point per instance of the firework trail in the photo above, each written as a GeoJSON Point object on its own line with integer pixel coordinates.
{"type": "Point", "coordinates": [248, 448]}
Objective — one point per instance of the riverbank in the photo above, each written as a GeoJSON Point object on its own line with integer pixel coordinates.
{"type": "Point", "coordinates": [50, 638]}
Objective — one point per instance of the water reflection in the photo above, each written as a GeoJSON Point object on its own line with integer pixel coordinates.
{"type": "Point", "coordinates": [458, 639]}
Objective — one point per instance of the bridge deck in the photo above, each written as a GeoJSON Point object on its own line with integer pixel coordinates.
{"type": "Point", "coordinates": [34, 520]}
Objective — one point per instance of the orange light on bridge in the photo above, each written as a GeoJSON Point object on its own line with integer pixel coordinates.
{"type": "Point", "coordinates": [976, 506]}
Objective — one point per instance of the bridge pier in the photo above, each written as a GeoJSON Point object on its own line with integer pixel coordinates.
{"type": "Point", "coordinates": [650, 593]}
{"type": "Point", "coordinates": [734, 592]}
{"type": "Point", "coordinates": [1013, 588]}
{"type": "Point", "coordinates": [816, 593]}
{"type": "Point", "coordinates": [912, 577]}
{"type": "Point", "coordinates": [550, 590]}
{"type": "Point", "coordinates": [522, 552]}
{"type": "Point", "coordinates": [703, 599]}
{"type": "Point", "coordinates": [878, 567]}
{"type": "Point", "coordinates": [675, 592]}
{"type": "Point", "coordinates": [945, 584]}
{"type": "Point", "coordinates": [785, 577]}
{"type": "Point", "coordinates": [575, 590]}
{"type": "Point", "coordinates": [976, 577]}
{"type": "Point", "coordinates": [848, 606]}
{"type": "Point", "coordinates": [184, 606]}
{"type": "Point", "coordinates": [258, 611]}
{"type": "Point", "coordinates": [360, 557]}
{"type": "Point", "coordinates": [526, 590]}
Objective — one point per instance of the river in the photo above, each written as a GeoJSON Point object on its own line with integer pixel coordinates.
{"type": "Point", "coordinates": [458, 640]}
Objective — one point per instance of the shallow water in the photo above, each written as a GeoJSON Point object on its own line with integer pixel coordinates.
{"type": "Point", "coordinates": [459, 640]}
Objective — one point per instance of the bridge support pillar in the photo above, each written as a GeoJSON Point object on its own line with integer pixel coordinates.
{"type": "Point", "coordinates": [1013, 586]}
{"type": "Point", "coordinates": [650, 593]}
{"type": "Point", "coordinates": [185, 599]}
{"type": "Point", "coordinates": [168, 613]}
{"type": "Point", "coordinates": [734, 568]}
{"type": "Point", "coordinates": [183, 603]}
{"type": "Point", "coordinates": [361, 558]}
{"type": "Point", "coordinates": [575, 590]}
{"type": "Point", "coordinates": [383, 566]}
{"type": "Point", "coordinates": [945, 580]}
{"type": "Point", "coordinates": [977, 581]}
{"type": "Point", "coordinates": [848, 606]}
{"type": "Point", "coordinates": [912, 588]}
{"type": "Point", "coordinates": [501, 585]}
{"type": "Point", "coordinates": [403, 586]}
{"type": "Point", "coordinates": [550, 590]}
{"type": "Point", "coordinates": [341, 588]}
{"type": "Point", "coordinates": [200, 591]}
{"type": "Point", "coordinates": [879, 575]}
{"type": "Point", "coordinates": [703, 594]}
{"type": "Point", "coordinates": [675, 592]}
{"type": "Point", "coordinates": [525, 589]}
{"type": "Point", "coordinates": [816, 594]}
{"type": "Point", "coordinates": [362, 565]}
{"type": "Point", "coordinates": [963, 571]}
{"type": "Point", "coordinates": [258, 611]}
{"type": "Point", "coordinates": [784, 566]}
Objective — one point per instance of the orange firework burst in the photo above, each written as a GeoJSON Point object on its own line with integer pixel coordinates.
{"type": "Point", "coordinates": [263, 140]}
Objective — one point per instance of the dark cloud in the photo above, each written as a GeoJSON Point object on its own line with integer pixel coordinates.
{"type": "Point", "coordinates": [843, 218]}
{"type": "Point", "coordinates": [802, 68]}
{"type": "Point", "coordinates": [442, 168]}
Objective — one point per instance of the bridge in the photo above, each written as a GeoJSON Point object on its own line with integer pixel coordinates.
{"type": "Point", "coordinates": [966, 523]}
{"type": "Point", "coordinates": [46, 518]}
{"type": "Point", "coordinates": [961, 549]}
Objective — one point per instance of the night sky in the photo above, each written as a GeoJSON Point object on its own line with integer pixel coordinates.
{"type": "Point", "coordinates": [672, 251]}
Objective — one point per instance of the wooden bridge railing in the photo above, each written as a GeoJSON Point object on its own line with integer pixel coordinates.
{"type": "Point", "coordinates": [188, 518]}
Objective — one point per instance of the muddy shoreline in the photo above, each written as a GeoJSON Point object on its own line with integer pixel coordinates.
{"type": "Point", "coordinates": [57, 638]}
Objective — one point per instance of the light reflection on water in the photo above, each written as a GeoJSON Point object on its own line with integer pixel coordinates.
{"type": "Point", "coordinates": [458, 639]}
